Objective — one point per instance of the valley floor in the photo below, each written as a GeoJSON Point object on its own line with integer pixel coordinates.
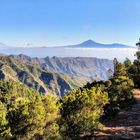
{"type": "Point", "coordinates": [126, 125]}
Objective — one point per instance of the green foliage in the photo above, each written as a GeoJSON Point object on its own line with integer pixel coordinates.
{"type": "Point", "coordinates": [4, 129]}
{"type": "Point", "coordinates": [81, 111]}
{"type": "Point", "coordinates": [134, 69]}
{"type": "Point", "coordinates": [127, 63]}
{"type": "Point", "coordinates": [120, 94]}
{"type": "Point", "coordinates": [51, 129]}
{"type": "Point", "coordinates": [134, 73]}
{"type": "Point", "coordinates": [83, 108]}
{"type": "Point", "coordinates": [119, 69]}
{"type": "Point", "coordinates": [119, 88]}
{"type": "Point", "coordinates": [25, 114]}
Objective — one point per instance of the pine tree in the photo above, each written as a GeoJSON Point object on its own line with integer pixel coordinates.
{"type": "Point", "coordinates": [127, 63]}
{"type": "Point", "coordinates": [134, 69]}
{"type": "Point", "coordinates": [119, 69]}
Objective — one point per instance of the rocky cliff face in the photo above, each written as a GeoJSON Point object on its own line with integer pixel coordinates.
{"type": "Point", "coordinates": [53, 75]}
{"type": "Point", "coordinates": [80, 66]}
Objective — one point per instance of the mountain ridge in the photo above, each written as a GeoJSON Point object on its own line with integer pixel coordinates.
{"type": "Point", "coordinates": [53, 74]}
{"type": "Point", "coordinates": [92, 44]}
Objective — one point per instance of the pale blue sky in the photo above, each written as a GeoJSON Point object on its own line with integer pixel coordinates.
{"type": "Point", "coordinates": [61, 22]}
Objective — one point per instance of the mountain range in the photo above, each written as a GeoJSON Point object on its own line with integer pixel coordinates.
{"type": "Point", "coordinates": [54, 75]}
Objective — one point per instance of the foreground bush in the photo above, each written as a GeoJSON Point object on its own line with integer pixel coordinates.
{"type": "Point", "coordinates": [25, 114]}
{"type": "Point", "coordinates": [81, 111]}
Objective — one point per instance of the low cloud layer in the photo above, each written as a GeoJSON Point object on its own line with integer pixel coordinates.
{"type": "Point", "coordinates": [109, 53]}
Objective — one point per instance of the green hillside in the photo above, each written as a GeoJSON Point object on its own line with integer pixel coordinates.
{"type": "Point", "coordinates": [42, 79]}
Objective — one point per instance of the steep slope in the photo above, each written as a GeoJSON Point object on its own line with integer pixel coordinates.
{"type": "Point", "coordinates": [34, 76]}
{"type": "Point", "coordinates": [92, 68]}
{"type": "Point", "coordinates": [53, 75]}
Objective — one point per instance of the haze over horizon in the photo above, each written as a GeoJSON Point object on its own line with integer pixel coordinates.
{"type": "Point", "coordinates": [66, 22]}
{"type": "Point", "coordinates": [87, 48]}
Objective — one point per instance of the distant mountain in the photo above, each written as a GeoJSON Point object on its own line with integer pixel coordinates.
{"type": "Point", "coordinates": [93, 44]}
{"type": "Point", "coordinates": [53, 75]}
{"type": "Point", "coordinates": [67, 51]}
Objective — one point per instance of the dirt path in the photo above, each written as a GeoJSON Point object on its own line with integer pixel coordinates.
{"type": "Point", "coordinates": [126, 125]}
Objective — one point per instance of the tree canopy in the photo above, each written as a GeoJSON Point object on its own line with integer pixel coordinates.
{"type": "Point", "coordinates": [26, 114]}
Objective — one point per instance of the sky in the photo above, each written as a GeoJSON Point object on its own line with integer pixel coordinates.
{"type": "Point", "coordinates": [65, 22]}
